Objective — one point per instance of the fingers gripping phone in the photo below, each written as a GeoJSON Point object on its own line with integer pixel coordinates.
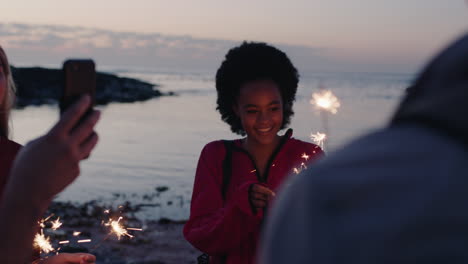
{"type": "Point", "coordinates": [79, 79]}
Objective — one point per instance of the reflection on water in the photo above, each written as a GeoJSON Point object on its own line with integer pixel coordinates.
{"type": "Point", "coordinates": [156, 143]}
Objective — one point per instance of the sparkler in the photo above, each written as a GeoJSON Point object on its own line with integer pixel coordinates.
{"type": "Point", "coordinates": [318, 138]}
{"type": "Point", "coordinates": [303, 166]}
{"type": "Point", "coordinates": [117, 228]}
{"type": "Point", "coordinates": [325, 101]}
{"type": "Point", "coordinates": [40, 240]}
{"type": "Point", "coordinates": [56, 224]}
{"type": "Point", "coordinates": [43, 243]}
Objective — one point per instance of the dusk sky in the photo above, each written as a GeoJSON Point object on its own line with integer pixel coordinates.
{"type": "Point", "coordinates": [330, 35]}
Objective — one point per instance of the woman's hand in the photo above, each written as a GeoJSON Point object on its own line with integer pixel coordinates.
{"type": "Point", "coordinates": [42, 169]}
{"type": "Point", "coordinates": [69, 258]}
{"type": "Point", "coordinates": [260, 196]}
{"type": "Point", "coordinates": [50, 163]}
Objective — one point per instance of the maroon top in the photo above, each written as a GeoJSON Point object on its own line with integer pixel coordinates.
{"type": "Point", "coordinates": [229, 227]}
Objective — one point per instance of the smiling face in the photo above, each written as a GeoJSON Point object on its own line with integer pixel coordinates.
{"type": "Point", "coordinates": [260, 109]}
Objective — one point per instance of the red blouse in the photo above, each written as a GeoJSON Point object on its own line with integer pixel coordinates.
{"type": "Point", "coordinates": [229, 227]}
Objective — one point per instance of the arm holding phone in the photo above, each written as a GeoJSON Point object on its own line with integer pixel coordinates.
{"type": "Point", "coordinates": [42, 169]}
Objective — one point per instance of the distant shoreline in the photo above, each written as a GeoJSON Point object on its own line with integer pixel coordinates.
{"type": "Point", "coordinates": [39, 86]}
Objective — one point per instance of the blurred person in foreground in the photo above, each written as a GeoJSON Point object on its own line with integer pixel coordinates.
{"type": "Point", "coordinates": [30, 177]}
{"type": "Point", "coordinates": [401, 198]}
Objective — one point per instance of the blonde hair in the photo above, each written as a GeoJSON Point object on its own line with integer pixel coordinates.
{"type": "Point", "coordinates": [7, 103]}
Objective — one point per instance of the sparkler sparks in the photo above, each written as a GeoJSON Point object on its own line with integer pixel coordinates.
{"type": "Point", "coordinates": [326, 100]}
{"type": "Point", "coordinates": [117, 228]}
{"type": "Point", "coordinates": [42, 222]}
{"type": "Point", "coordinates": [136, 229]}
{"type": "Point", "coordinates": [319, 138]}
{"type": "Point", "coordinates": [84, 241]}
{"type": "Point", "coordinates": [303, 166]}
{"type": "Point", "coordinates": [43, 243]}
{"type": "Point", "coordinates": [56, 224]}
{"type": "Point", "coordinates": [76, 233]}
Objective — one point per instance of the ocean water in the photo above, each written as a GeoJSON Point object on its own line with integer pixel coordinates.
{"type": "Point", "coordinates": [148, 147]}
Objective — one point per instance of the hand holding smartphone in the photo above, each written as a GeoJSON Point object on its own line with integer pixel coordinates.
{"type": "Point", "coordinates": [79, 79]}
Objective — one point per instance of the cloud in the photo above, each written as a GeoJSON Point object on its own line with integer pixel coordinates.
{"type": "Point", "coordinates": [51, 44]}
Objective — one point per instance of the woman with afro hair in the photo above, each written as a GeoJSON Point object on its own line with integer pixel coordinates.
{"type": "Point", "coordinates": [237, 180]}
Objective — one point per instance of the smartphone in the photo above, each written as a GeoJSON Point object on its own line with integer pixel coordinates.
{"type": "Point", "coordinates": [79, 78]}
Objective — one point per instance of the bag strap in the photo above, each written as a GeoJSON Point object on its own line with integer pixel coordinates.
{"type": "Point", "coordinates": [227, 167]}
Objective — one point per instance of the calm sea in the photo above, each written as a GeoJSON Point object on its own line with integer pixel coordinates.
{"type": "Point", "coordinates": [147, 146]}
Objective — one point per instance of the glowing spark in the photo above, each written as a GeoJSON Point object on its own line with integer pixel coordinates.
{"type": "Point", "coordinates": [84, 241]}
{"type": "Point", "coordinates": [64, 242]}
{"type": "Point", "coordinates": [43, 243]}
{"type": "Point", "coordinates": [106, 211]}
{"type": "Point", "coordinates": [318, 138]}
{"type": "Point", "coordinates": [42, 222]}
{"type": "Point", "coordinates": [303, 166]}
{"type": "Point", "coordinates": [117, 228]}
{"type": "Point", "coordinates": [56, 224]}
{"type": "Point", "coordinates": [326, 100]}
{"type": "Point", "coordinates": [252, 171]}
{"type": "Point", "coordinates": [136, 229]}
{"type": "Point", "coordinates": [76, 233]}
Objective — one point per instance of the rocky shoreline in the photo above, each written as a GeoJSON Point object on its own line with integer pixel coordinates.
{"type": "Point", "coordinates": [158, 242]}
{"type": "Point", "coordinates": [38, 86]}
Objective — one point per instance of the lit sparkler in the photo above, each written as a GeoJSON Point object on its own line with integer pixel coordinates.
{"type": "Point", "coordinates": [117, 228]}
{"type": "Point", "coordinates": [56, 224]}
{"type": "Point", "coordinates": [319, 138]}
{"type": "Point", "coordinates": [326, 100]}
{"type": "Point", "coordinates": [303, 166]}
{"type": "Point", "coordinates": [42, 222]}
{"type": "Point", "coordinates": [43, 243]}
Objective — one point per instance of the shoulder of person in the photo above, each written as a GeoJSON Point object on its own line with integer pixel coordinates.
{"type": "Point", "coordinates": [214, 150]}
